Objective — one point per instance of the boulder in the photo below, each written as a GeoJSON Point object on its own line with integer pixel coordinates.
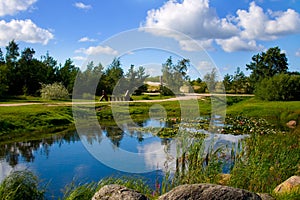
{"type": "Point", "coordinates": [288, 185]}
{"type": "Point", "coordinates": [208, 191]}
{"type": "Point", "coordinates": [292, 124]}
{"type": "Point", "coordinates": [117, 192]}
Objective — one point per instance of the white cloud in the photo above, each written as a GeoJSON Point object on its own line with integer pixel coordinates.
{"type": "Point", "coordinates": [23, 30]}
{"type": "Point", "coordinates": [86, 39]}
{"type": "Point", "coordinates": [242, 32]}
{"type": "Point", "coordinates": [259, 25]}
{"type": "Point", "coordinates": [298, 53]}
{"type": "Point", "coordinates": [83, 6]}
{"type": "Point", "coordinates": [11, 7]}
{"type": "Point", "coordinates": [237, 44]}
{"type": "Point", "coordinates": [80, 58]}
{"type": "Point", "coordinates": [93, 50]}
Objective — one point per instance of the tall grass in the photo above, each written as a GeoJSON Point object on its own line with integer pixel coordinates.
{"type": "Point", "coordinates": [21, 185]}
{"type": "Point", "coordinates": [269, 160]}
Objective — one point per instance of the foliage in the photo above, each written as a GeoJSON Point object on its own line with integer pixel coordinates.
{"type": "Point", "coordinates": [281, 87]}
{"type": "Point", "coordinates": [166, 91]}
{"type": "Point", "coordinates": [267, 161]}
{"type": "Point", "coordinates": [21, 185]}
{"type": "Point", "coordinates": [74, 191]}
{"type": "Point", "coordinates": [86, 191]}
{"type": "Point", "coordinates": [175, 75]}
{"type": "Point", "coordinates": [267, 64]}
{"type": "Point", "coordinates": [54, 91]}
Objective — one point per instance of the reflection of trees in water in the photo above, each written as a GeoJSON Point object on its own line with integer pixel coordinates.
{"type": "Point", "coordinates": [14, 151]}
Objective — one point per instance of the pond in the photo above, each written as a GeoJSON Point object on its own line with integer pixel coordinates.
{"type": "Point", "coordinates": [60, 159]}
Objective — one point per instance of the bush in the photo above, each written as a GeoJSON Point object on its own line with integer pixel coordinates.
{"type": "Point", "coordinates": [281, 87]}
{"type": "Point", "coordinates": [21, 185]}
{"type": "Point", "coordinates": [165, 91]}
{"type": "Point", "coordinates": [54, 91]}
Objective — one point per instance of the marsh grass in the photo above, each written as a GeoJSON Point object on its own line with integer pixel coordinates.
{"type": "Point", "coordinates": [86, 191]}
{"type": "Point", "coordinates": [268, 160]}
{"type": "Point", "coordinates": [21, 185]}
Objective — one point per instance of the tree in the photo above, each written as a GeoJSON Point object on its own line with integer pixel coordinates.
{"type": "Point", "coordinates": [267, 64]}
{"type": "Point", "coordinates": [227, 81]}
{"type": "Point", "coordinates": [67, 74]}
{"type": "Point", "coordinates": [112, 76]}
{"type": "Point", "coordinates": [281, 87]}
{"type": "Point", "coordinates": [12, 52]}
{"type": "Point", "coordinates": [239, 81]}
{"type": "Point", "coordinates": [134, 80]}
{"type": "Point", "coordinates": [211, 80]}
{"type": "Point", "coordinates": [175, 75]}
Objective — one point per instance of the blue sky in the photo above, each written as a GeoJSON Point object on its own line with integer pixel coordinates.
{"type": "Point", "coordinates": [230, 31]}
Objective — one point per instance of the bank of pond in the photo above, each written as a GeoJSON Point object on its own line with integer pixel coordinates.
{"type": "Point", "coordinates": [160, 153]}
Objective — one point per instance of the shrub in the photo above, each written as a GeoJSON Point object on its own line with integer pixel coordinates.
{"type": "Point", "coordinates": [54, 91]}
{"type": "Point", "coordinates": [281, 87]}
{"type": "Point", "coordinates": [21, 185]}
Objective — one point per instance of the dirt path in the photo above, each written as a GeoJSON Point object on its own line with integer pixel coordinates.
{"type": "Point", "coordinates": [186, 97]}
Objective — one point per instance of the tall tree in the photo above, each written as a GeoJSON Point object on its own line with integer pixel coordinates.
{"type": "Point", "coordinates": [175, 75]}
{"type": "Point", "coordinates": [12, 52]}
{"type": "Point", "coordinates": [112, 76]}
{"type": "Point", "coordinates": [67, 74]}
{"type": "Point", "coordinates": [267, 64]}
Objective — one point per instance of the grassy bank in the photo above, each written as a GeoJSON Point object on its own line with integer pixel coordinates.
{"type": "Point", "coordinates": [269, 157]}
{"type": "Point", "coordinates": [17, 121]}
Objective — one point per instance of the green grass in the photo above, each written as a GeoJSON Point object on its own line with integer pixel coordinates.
{"type": "Point", "coordinates": [21, 185]}
{"type": "Point", "coordinates": [32, 119]}
{"type": "Point", "coordinates": [276, 112]}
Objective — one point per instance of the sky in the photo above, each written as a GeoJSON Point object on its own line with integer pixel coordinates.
{"type": "Point", "coordinates": [228, 32]}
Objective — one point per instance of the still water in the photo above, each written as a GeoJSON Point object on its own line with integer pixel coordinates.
{"type": "Point", "coordinates": [59, 160]}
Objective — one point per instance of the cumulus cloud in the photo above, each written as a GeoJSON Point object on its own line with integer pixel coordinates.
{"type": "Point", "coordinates": [237, 44]}
{"type": "Point", "coordinates": [298, 53]}
{"type": "Point", "coordinates": [9, 7]}
{"type": "Point", "coordinates": [241, 32]}
{"type": "Point", "coordinates": [23, 30]}
{"type": "Point", "coordinates": [86, 39]}
{"type": "Point", "coordinates": [93, 50]}
{"type": "Point", "coordinates": [82, 6]}
{"type": "Point", "coordinates": [257, 24]}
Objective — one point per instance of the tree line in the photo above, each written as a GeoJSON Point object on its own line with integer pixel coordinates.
{"type": "Point", "coordinates": [269, 79]}
{"type": "Point", "coordinates": [23, 74]}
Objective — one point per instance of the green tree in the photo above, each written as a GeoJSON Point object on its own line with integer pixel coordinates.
{"type": "Point", "coordinates": [175, 75]}
{"type": "Point", "coordinates": [112, 76]}
{"type": "Point", "coordinates": [67, 74]}
{"type": "Point", "coordinates": [267, 64]}
{"type": "Point", "coordinates": [227, 81]}
{"type": "Point", "coordinates": [239, 81]}
{"type": "Point", "coordinates": [211, 80]}
{"type": "Point", "coordinates": [134, 79]}
{"type": "Point", "coordinates": [281, 87]}
{"type": "Point", "coordinates": [4, 84]}
{"type": "Point", "coordinates": [11, 58]}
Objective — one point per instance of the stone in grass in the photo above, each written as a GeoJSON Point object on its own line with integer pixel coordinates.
{"type": "Point", "coordinates": [208, 191]}
{"type": "Point", "coordinates": [288, 185]}
{"type": "Point", "coordinates": [292, 124]}
{"type": "Point", "coordinates": [117, 192]}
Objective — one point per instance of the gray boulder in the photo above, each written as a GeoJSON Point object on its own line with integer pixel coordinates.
{"type": "Point", "coordinates": [208, 192]}
{"type": "Point", "coordinates": [117, 192]}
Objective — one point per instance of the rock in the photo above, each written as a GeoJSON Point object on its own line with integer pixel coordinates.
{"type": "Point", "coordinates": [265, 196]}
{"type": "Point", "coordinates": [208, 191]}
{"type": "Point", "coordinates": [117, 192]}
{"type": "Point", "coordinates": [288, 185]}
{"type": "Point", "coordinates": [292, 124]}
